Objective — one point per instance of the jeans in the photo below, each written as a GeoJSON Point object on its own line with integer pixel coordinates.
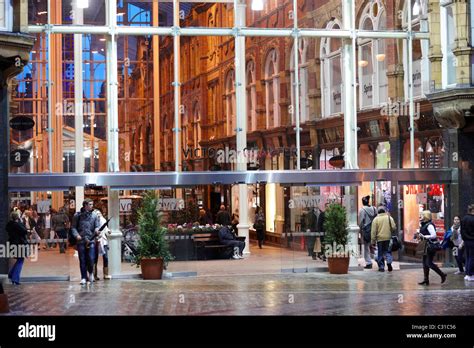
{"type": "Point", "coordinates": [383, 254]}
{"type": "Point", "coordinates": [86, 258]}
{"type": "Point", "coordinates": [62, 234]}
{"type": "Point", "coordinates": [367, 253]}
{"type": "Point", "coordinates": [105, 256]}
{"type": "Point", "coordinates": [14, 273]}
{"type": "Point", "coordinates": [235, 243]}
{"type": "Point", "coordinates": [459, 256]}
{"type": "Point", "coordinates": [469, 247]}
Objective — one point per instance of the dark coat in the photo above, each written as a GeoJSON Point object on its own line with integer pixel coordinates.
{"type": "Point", "coordinates": [225, 235]}
{"type": "Point", "coordinates": [17, 233]}
{"type": "Point", "coordinates": [467, 227]}
{"type": "Point", "coordinates": [259, 226]}
{"type": "Point", "coordinates": [223, 218]}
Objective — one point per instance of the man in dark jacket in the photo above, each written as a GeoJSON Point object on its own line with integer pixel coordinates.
{"type": "Point", "coordinates": [226, 237]}
{"type": "Point", "coordinates": [223, 217]}
{"type": "Point", "coordinates": [17, 236]}
{"type": "Point", "coordinates": [60, 223]}
{"type": "Point", "coordinates": [85, 228]}
{"type": "Point", "coordinates": [467, 233]}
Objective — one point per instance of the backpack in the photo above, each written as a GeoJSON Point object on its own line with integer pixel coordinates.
{"type": "Point", "coordinates": [367, 229]}
{"type": "Point", "coordinates": [70, 236]}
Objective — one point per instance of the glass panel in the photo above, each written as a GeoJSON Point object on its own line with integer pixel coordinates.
{"type": "Point", "coordinates": [208, 15]}
{"type": "Point", "coordinates": [91, 12]}
{"type": "Point", "coordinates": [137, 109]}
{"type": "Point", "coordinates": [419, 198]}
{"type": "Point", "coordinates": [366, 76]}
{"type": "Point", "coordinates": [309, 14]}
{"type": "Point", "coordinates": [139, 13]}
{"type": "Point", "coordinates": [37, 12]}
{"type": "Point", "coordinates": [269, 14]}
{"type": "Point", "coordinates": [46, 216]}
{"type": "Point", "coordinates": [29, 100]}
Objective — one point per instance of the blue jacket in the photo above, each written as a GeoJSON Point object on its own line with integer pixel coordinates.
{"type": "Point", "coordinates": [447, 242]}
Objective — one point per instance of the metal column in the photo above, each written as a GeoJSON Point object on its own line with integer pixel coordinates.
{"type": "Point", "coordinates": [350, 121]}
{"type": "Point", "coordinates": [78, 104]}
{"type": "Point", "coordinates": [241, 118]}
{"type": "Point", "coordinates": [115, 243]}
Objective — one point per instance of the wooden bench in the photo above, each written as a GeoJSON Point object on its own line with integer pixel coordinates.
{"type": "Point", "coordinates": [208, 241]}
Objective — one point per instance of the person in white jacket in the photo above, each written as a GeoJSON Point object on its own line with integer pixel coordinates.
{"type": "Point", "coordinates": [102, 247]}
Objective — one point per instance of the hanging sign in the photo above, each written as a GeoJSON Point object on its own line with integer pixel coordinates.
{"type": "Point", "coordinates": [43, 206]}
{"type": "Point", "coordinates": [22, 123]}
{"type": "Point", "coordinates": [19, 157]}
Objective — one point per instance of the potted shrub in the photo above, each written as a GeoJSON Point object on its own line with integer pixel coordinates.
{"type": "Point", "coordinates": [153, 252]}
{"type": "Point", "coordinates": [336, 239]}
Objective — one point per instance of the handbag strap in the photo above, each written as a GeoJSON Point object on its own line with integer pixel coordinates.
{"type": "Point", "coordinates": [390, 224]}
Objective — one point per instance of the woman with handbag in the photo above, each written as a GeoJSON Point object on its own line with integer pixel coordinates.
{"type": "Point", "coordinates": [428, 233]}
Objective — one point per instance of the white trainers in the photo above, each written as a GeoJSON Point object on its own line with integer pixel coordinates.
{"type": "Point", "coordinates": [236, 257]}
{"type": "Point", "coordinates": [458, 272]}
{"type": "Point", "coordinates": [83, 282]}
{"type": "Point", "coordinates": [470, 278]}
{"type": "Point", "coordinates": [466, 277]}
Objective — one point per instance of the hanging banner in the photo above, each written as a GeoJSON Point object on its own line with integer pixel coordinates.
{"type": "Point", "coordinates": [43, 206]}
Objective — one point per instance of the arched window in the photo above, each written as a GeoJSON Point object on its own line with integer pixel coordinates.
{"type": "Point", "coordinates": [197, 125]}
{"type": "Point", "coordinates": [251, 96]}
{"type": "Point", "coordinates": [230, 102]}
{"type": "Point", "coordinates": [448, 43]}
{"type": "Point", "coordinates": [331, 72]}
{"type": "Point", "coordinates": [272, 89]}
{"type": "Point", "coordinates": [303, 81]}
{"type": "Point", "coordinates": [373, 81]}
{"type": "Point", "coordinates": [421, 63]}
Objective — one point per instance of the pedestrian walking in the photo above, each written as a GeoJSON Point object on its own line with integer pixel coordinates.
{"type": "Point", "coordinates": [85, 228]}
{"type": "Point", "coordinates": [426, 235]}
{"type": "Point", "coordinates": [17, 236]}
{"type": "Point", "coordinates": [467, 233]}
{"type": "Point", "coordinates": [382, 228]}
{"type": "Point", "coordinates": [367, 215]}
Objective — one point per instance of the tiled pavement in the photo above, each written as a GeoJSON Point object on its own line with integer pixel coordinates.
{"type": "Point", "coordinates": [319, 293]}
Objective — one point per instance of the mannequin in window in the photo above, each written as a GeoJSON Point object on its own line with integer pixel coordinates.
{"type": "Point", "coordinates": [314, 220]}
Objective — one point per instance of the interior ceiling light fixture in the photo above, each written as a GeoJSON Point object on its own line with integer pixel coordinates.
{"type": "Point", "coordinates": [380, 57]}
{"type": "Point", "coordinates": [363, 63]}
{"type": "Point", "coordinates": [82, 3]}
{"type": "Point", "coordinates": [257, 5]}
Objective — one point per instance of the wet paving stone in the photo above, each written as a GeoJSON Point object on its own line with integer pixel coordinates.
{"type": "Point", "coordinates": [357, 293]}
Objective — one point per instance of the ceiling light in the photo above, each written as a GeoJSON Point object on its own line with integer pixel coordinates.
{"type": "Point", "coordinates": [120, 14]}
{"type": "Point", "coordinates": [42, 13]}
{"type": "Point", "coordinates": [102, 39]}
{"type": "Point", "coordinates": [420, 149]}
{"type": "Point", "coordinates": [363, 63]}
{"type": "Point", "coordinates": [257, 5]}
{"type": "Point", "coordinates": [380, 57]}
{"type": "Point", "coordinates": [95, 52]}
{"type": "Point", "coordinates": [82, 3]}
